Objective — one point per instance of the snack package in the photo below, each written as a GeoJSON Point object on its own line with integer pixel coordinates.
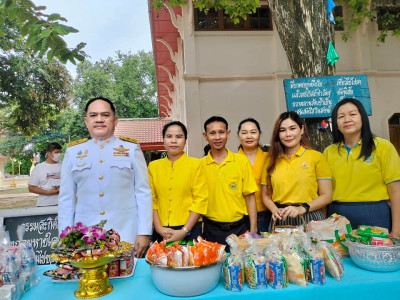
{"type": "Point", "coordinates": [369, 231]}
{"type": "Point", "coordinates": [277, 277]}
{"type": "Point", "coordinates": [233, 268]}
{"type": "Point", "coordinates": [333, 261]}
{"type": "Point", "coordinates": [378, 241]}
{"type": "Point", "coordinates": [333, 230]}
{"type": "Point", "coordinates": [255, 266]}
{"type": "Point", "coordinates": [277, 266]}
{"type": "Point", "coordinates": [297, 264]}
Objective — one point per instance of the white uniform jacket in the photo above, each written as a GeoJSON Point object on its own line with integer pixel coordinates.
{"type": "Point", "coordinates": [106, 180]}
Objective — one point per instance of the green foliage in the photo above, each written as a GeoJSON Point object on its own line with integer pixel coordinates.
{"type": "Point", "coordinates": [236, 9]}
{"type": "Point", "coordinates": [42, 33]}
{"type": "Point", "coordinates": [23, 169]}
{"type": "Point", "coordinates": [128, 80]}
{"type": "Point", "coordinates": [33, 91]}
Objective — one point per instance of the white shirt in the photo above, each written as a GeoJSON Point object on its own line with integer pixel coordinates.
{"type": "Point", "coordinates": [46, 176]}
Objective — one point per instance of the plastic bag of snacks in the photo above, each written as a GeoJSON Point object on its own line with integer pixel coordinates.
{"type": "Point", "coordinates": [372, 235]}
{"type": "Point", "coordinates": [333, 261]}
{"type": "Point", "coordinates": [333, 230]}
{"type": "Point", "coordinates": [256, 267]}
{"type": "Point", "coordinates": [316, 263]}
{"type": "Point", "coordinates": [25, 255]}
{"type": "Point", "coordinates": [297, 264]}
{"type": "Point", "coordinates": [277, 266]}
{"type": "Point", "coordinates": [233, 268]}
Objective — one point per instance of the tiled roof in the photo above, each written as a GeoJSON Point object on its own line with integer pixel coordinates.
{"type": "Point", "coordinates": [146, 131]}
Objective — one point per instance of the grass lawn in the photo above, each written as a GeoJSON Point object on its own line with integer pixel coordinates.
{"type": "Point", "coordinates": [15, 191]}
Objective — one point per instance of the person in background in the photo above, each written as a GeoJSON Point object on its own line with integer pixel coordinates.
{"type": "Point", "coordinates": [179, 187]}
{"type": "Point", "coordinates": [231, 186]}
{"type": "Point", "coordinates": [365, 170]}
{"type": "Point", "coordinates": [45, 178]}
{"type": "Point", "coordinates": [249, 133]}
{"type": "Point", "coordinates": [105, 178]}
{"type": "Point", "coordinates": [296, 179]}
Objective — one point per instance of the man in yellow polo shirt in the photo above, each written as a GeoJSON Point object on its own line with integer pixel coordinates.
{"type": "Point", "coordinates": [231, 186]}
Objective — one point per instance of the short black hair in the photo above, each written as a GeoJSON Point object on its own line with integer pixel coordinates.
{"type": "Point", "coordinates": [180, 124]}
{"type": "Point", "coordinates": [100, 98]}
{"type": "Point", "coordinates": [53, 146]}
{"type": "Point", "coordinates": [215, 119]}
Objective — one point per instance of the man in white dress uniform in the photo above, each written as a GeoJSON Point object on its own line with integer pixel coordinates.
{"type": "Point", "coordinates": [105, 178]}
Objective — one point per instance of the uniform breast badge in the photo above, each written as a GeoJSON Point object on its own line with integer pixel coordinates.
{"type": "Point", "coordinates": [81, 155]}
{"type": "Point", "coordinates": [121, 151]}
{"type": "Point", "coordinates": [232, 186]}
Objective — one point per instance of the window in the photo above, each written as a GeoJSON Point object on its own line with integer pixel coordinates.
{"type": "Point", "coordinates": [388, 18]}
{"type": "Point", "coordinates": [338, 14]}
{"type": "Point", "coordinates": [218, 21]}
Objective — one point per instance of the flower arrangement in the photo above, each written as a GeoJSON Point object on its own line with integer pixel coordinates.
{"type": "Point", "coordinates": [78, 241]}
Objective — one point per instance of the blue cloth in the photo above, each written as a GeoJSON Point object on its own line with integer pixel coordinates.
{"type": "Point", "coordinates": [355, 284]}
{"type": "Point", "coordinates": [330, 6]}
{"type": "Point", "coordinates": [364, 213]}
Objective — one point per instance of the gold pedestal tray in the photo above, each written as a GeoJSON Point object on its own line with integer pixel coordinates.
{"type": "Point", "coordinates": [94, 281]}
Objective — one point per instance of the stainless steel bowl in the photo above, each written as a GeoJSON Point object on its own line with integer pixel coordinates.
{"type": "Point", "coordinates": [375, 258]}
{"type": "Point", "coordinates": [185, 281]}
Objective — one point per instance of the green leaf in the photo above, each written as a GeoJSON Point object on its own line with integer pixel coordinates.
{"type": "Point", "coordinates": [53, 17]}
{"type": "Point", "coordinates": [46, 33]}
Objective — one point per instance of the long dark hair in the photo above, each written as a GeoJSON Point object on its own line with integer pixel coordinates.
{"type": "Point", "coordinates": [367, 145]}
{"type": "Point", "coordinates": [277, 149]}
{"type": "Point", "coordinates": [251, 120]}
{"type": "Point", "coordinates": [177, 123]}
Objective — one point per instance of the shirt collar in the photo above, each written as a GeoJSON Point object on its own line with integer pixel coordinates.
{"type": "Point", "coordinates": [106, 141]}
{"type": "Point", "coordinates": [229, 157]}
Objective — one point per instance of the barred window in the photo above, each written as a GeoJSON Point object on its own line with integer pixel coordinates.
{"type": "Point", "coordinates": [213, 20]}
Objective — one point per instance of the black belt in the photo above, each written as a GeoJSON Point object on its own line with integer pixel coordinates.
{"type": "Point", "coordinates": [224, 225]}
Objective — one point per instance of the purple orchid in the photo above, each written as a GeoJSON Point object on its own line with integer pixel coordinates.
{"type": "Point", "coordinates": [98, 232]}
{"type": "Point", "coordinates": [80, 227]}
{"type": "Point", "coordinates": [65, 232]}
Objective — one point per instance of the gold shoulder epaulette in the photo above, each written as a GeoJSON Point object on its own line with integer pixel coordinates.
{"type": "Point", "coordinates": [77, 142]}
{"type": "Point", "coordinates": [124, 138]}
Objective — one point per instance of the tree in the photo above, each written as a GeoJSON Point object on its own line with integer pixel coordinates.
{"type": "Point", "coordinates": [42, 33]}
{"type": "Point", "coordinates": [34, 87]}
{"type": "Point", "coordinates": [305, 32]}
{"type": "Point", "coordinates": [127, 79]}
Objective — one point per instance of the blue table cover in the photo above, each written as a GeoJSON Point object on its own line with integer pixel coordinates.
{"type": "Point", "coordinates": [355, 284]}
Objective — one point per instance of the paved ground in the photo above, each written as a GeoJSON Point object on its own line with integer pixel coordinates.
{"type": "Point", "coordinates": [18, 200]}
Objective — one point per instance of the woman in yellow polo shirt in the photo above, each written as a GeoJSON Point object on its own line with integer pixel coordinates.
{"type": "Point", "coordinates": [249, 133]}
{"type": "Point", "coordinates": [296, 179]}
{"type": "Point", "coordinates": [365, 170]}
{"type": "Point", "coordinates": [179, 188]}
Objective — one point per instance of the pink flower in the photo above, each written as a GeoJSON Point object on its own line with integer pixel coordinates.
{"type": "Point", "coordinates": [65, 232]}
{"type": "Point", "coordinates": [80, 227]}
{"type": "Point", "coordinates": [98, 233]}
{"type": "Point", "coordinates": [88, 239]}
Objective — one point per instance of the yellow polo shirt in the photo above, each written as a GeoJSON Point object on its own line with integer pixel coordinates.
{"type": "Point", "coordinates": [257, 169]}
{"type": "Point", "coordinates": [356, 180]}
{"type": "Point", "coordinates": [295, 180]}
{"type": "Point", "coordinates": [228, 183]}
{"type": "Point", "coordinates": [178, 189]}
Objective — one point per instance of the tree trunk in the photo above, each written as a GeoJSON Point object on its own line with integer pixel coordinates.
{"type": "Point", "coordinates": [305, 32]}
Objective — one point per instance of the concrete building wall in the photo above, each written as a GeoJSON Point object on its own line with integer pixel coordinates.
{"type": "Point", "coordinates": [240, 74]}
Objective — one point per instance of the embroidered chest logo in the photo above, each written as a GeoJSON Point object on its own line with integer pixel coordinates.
{"type": "Point", "coordinates": [304, 165]}
{"type": "Point", "coordinates": [232, 186]}
{"type": "Point", "coordinates": [81, 155]}
{"type": "Point", "coordinates": [121, 151]}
